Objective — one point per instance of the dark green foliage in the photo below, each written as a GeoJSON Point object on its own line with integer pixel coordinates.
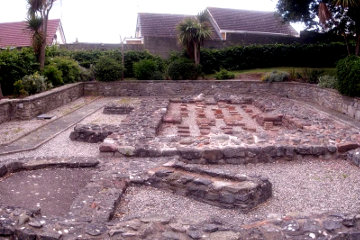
{"type": "Point", "coordinates": [87, 58]}
{"type": "Point", "coordinates": [132, 57]}
{"type": "Point", "coordinates": [14, 65]}
{"type": "Point", "coordinates": [86, 74]}
{"type": "Point", "coordinates": [31, 84]}
{"type": "Point", "coordinates": [327, 81]}
{"type": "Point", "coordinates": [312, 75]}
{"type": "Point", "coordinates": [276, 76]}
{"type": "Point", "coordinates": [145, 69]}
{"type": "Point", "coordinates": [183, 69]}
{"type": "Point", "coordinates": [272, 55]}
{"type": "Point", "coordinates": [348, 74]}
{"type": "Point", "coordinates": [53, 75]}
{"type": "Point", "coordinates": [108, 69]}
{"type": "Point", "coordinates": [224, 74]}
{"type": "Point", "coordinates": [70, 68]}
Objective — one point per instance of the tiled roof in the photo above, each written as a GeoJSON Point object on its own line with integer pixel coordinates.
{"type": "Point", "coordinates": [250, 21]}
{"type": "Point", "coordinates": [16, 34]}
{"type": "Point", "coordinates": [162, 25]}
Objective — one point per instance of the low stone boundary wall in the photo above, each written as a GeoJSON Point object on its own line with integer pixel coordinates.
{"type": "Point", "coordinates": [34, 105]}
{"type": "Point", "coordinates": [310, 93]}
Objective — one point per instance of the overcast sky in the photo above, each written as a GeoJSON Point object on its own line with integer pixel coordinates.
{"type": "Point", "coordinates": [104, 21]}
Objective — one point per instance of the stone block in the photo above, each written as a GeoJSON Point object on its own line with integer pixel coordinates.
{"type": "Point", "coordinates": [243, 193]}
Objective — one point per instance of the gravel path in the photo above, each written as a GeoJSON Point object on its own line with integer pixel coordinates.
{"type": "Point", "coordinates": [12, 130]}
{"type": "Point", "coordinates": [308, 186]}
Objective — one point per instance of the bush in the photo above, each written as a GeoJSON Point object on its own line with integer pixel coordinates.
{"type": "Point", "coordinates": [146, 69]}
{"type": "Point", "coordinates": [86, 74]}
{"type": "Point", "coordinates": [87, 58]}
{"type": "Point", "coordinates": [31, 84]}
{"type": "Point", "coordinates": [276, 76]}
{"type": "Point", "coordinates": [14, 65]}
{"type": "Point", "coordinates": [348, 74]}
{"type": "Point", "coordinates": [69, 68]}
{"type": "Point", "coordinates": [224, 74]}
{"type": "Point", "coordinates": [108, 69]}
{"type": "Point", "coordinates": [327, 81]}
{"type": "Point", "coordinates": [53, 75]}
{"type": "Point", "coordinates": [183, 69]}
{"type": "Point", "coordinates": [311, 75]}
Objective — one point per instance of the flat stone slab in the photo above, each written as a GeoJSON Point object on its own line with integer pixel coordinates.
{"type": "Point", "coordinates": [240, 191]}
{"type": "Point", "coordinates": [45, 116]}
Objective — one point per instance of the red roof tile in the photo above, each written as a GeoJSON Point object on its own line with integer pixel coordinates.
{"type": "Point", "coordinates": [250, 21]}
{"type": "Point", "coordinates": [16, 34]}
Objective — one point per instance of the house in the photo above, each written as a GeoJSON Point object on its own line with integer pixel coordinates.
{"type": "Point", "coordinates": [229, 26]}
{"type": "Point", "coordinates": [16, 34]}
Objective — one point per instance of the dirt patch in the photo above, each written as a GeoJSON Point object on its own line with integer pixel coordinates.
{"type": "Point", "coordinates": [52, 190]}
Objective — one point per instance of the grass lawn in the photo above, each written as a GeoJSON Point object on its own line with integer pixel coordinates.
{"type": "Point", "coordinates": [258, 72]}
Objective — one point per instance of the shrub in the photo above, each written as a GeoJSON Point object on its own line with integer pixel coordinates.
{"type": "Point", "coordinates": [224, 74]}
{"type": "Point", "coordinates": [15, 64]}
{"type": "Point", "coordinates": [108, 69]}
{"type": "Point", "coordinates": [348, 74]}
{"type": "Point", "coordinates": [183, 69]}
{"type": "Point", "coordinates": [53, 75]}
{"type": "Point", "coordinates": [276, 76]}
{"type": "Point", "coordinates": [311, 75]}
{"type": "Point", "coordinates": [327, 81]}
{"type": "Point", "coordinates": [87, 58]}
{"type": "Point", "coordinates": [69, 68]}
{"type": "Point", "coordinates": [86, 74]}
{"type": "Point", "coordinates": [146, 69]}
{"type": "Point", "coordinates": [31, 84]}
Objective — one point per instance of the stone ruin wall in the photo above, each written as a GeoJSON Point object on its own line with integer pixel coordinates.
{"type": "Point", "coordinates": [29, 107]}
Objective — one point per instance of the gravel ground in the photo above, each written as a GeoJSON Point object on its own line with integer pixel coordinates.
{"type": "Point", "coordinates": [99, 118]}
{"type": "Point", "coordinates": [308, 186]}
{"type": "Point", "coordinates": [60, 146]}
{"type": "Point", "coordinates": [12, 130]}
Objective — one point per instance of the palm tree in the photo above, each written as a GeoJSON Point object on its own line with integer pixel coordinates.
{"type": "Point", "coordinates": [192, 32]}
{"type": "Point", "coordinates": [38, 15]}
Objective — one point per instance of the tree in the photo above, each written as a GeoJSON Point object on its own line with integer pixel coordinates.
{"type": "Point", "coordinates": [339, 16]}
{"type": "Point", "coordinates": [38, 16]}
{"type": "Point", "coordinates": [192, 32]}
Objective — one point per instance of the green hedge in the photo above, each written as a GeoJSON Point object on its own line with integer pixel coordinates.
{"type": "Point", "coordinates": [272, 55]}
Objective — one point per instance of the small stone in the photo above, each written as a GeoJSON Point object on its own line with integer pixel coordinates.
{"type": "Point", "coordinates": [331, 225]}
{"type": "Point", "coordinates": [210, 228]}
{"type": "Point", "coordinates": [195, 234]}
{"type": "Point", "coordinates": [23, 218]}
{"type": "Point", "coordinates": [108, 147]}
{"type": "Point", "coordinates": [127, 150]}
{"type": "Point", "coordinates": [95, 229]}
{"type": "Point", "coordinates": [35, 224]}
